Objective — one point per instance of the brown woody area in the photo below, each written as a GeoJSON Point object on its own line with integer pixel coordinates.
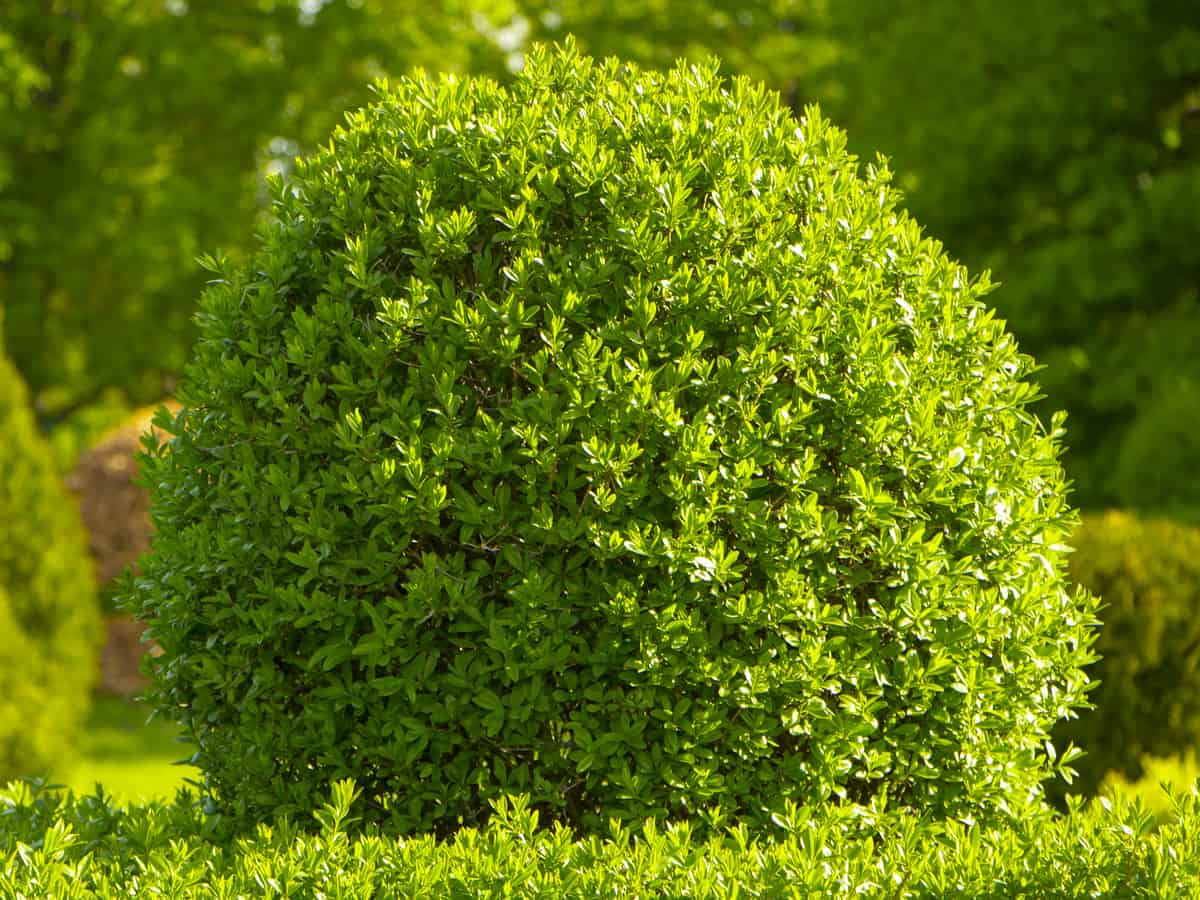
{"type": "Point", "coordinates": [116, 515]}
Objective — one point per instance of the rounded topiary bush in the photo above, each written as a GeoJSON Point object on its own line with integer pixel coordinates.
{"type": "Point", "coordinates": [1146, 573]}
{"type": "Point", "coordinates": [607, 439]}
{"type": "Point", "coordinates": [50, 631]}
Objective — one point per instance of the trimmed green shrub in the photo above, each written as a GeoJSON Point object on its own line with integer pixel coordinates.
{"type": "Point", "coordinates": [56, 846]}
{"type": "Point", "coordinates": [1147, 576]}
{"type": "Point", "coordinates": [49, 617]}
{"type": "Point", "coordinates": [613, 441]}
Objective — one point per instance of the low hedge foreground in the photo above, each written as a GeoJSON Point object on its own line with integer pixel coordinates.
{"type": "Point", "coordinates": [1147, 702]}
{"type": "Point", "coordinates": [68, 847]}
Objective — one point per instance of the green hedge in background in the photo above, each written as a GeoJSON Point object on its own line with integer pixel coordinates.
{"type": "Point", "coordinates": [1147, 575]}
{"type": "Point", "coordinates": [49, 618]}
{"type": "Point", "coordinates": [1162, 778]}
{"type": "Point", "coordinates": [134, 135]}
{"type": "Point", "coordinates": [1057, 144]}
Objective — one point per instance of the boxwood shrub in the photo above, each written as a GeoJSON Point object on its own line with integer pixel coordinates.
{"type": "Point", "coordinates": [609, 439]}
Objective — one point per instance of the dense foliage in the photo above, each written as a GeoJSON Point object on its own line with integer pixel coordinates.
{"type": "Point", "coordinates": [519, 551]}
{"type": "Point", "coordinates": [85, 847]}
{"type": "Point", "coordinates": [1056, 146]}
{"type": "Point", "coordinates": [610, 440]}
{"type": "Point", "coordinates": [1147, 575]}
{"type": "Point", "coordinates": [1059, 145]}
{"type": "Point", "coordinates": [49, 618]}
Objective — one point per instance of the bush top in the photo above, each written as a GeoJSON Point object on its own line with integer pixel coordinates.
{"type": "Point", "coordinates": [50, 629]}
{"type": "Point", "coordinates": [609, 438]}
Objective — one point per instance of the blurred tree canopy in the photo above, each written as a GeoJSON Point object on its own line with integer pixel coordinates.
{"type": "Point", "coordinates": [1056, 144]}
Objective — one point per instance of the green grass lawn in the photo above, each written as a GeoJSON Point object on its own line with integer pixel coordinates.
{"type": "Point", "coordinates": [133, 760]}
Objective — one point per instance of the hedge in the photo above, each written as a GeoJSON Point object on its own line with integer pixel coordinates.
{"type": "Point", "coordinates": [72, 847]}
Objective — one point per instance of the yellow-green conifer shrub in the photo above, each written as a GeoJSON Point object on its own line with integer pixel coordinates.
{"type": "Point", "coordinates": [610, 439]}
{"type": "Point", "coordinates": [50, 630]}
{"type": "Point", "coordinates": [1146, 573]}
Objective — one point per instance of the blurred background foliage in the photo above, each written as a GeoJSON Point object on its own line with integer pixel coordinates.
{"type": "Point", "coordinates": [1056, 144]}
